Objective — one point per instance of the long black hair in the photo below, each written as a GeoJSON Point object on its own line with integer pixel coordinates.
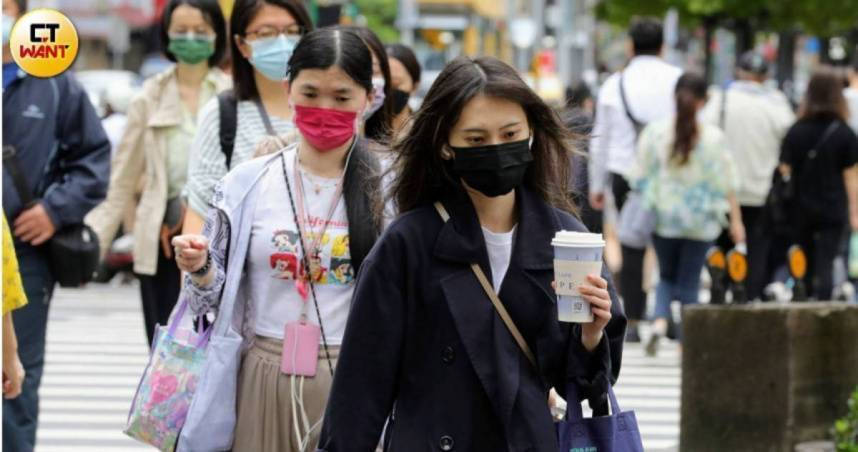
{"type": "Point", "coordinates": [242, 14]}
{"type": "Point", "coordinates": [422, 176]}
{"type": "Point", "coordinates": [213, 16]}
{"type": "Point", "coordinates": [336, 46]}
{"type": "Point", "coordinates": [690, 90]}
{"type": "Point", "coordinates": [405, 56]}
{"type": "Point", "coordinates": [378, 126]}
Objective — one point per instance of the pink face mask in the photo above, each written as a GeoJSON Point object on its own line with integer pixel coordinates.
{"type": "Point", "coordinates": [325, 128]}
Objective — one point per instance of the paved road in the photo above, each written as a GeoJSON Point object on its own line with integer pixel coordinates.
{"type": "Point", "coordinates": [97, 351]}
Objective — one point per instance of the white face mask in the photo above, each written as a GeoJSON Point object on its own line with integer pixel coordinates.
{"type": "Point", "coordinates": [377, 98]}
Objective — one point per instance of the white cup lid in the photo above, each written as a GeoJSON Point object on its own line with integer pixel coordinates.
{"type": "Point", "coordinates": [578, 239]}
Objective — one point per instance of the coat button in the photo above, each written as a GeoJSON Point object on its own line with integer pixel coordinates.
{"type": "Point", "coordinates": [448, 355]}
{"type": "Point", "coordinates": [446, 443]}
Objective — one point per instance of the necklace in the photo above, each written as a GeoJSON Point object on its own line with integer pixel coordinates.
{"type": "Point", "coordinates": [318, 183]}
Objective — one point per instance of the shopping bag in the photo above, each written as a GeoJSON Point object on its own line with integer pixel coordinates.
{"type": "Point", "coordinates": [615, 433]}
{"type": "Point", "coordinates": [167, 386]}
{"type": "Point", "coordinates": [637, 222]}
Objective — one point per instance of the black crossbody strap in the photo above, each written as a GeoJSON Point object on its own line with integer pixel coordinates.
{"type": "Point", "coordinates": [827, 134]}
{"type": "Point", "coordinates": [13, 166]}
{"type": "Point", "coordinates": [637, 124]}
{"type": "Point", "coordinates": [305, 262]}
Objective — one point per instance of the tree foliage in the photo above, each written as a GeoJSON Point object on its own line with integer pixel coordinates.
{"type": "Point", "coordinates": [380, 18]}
{"type": "Point", "coordinates": [823, 18]}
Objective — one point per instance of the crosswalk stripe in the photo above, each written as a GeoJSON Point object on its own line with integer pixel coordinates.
{"type": "Point", "coordinates": [100, 380]}
{"type": "Point", "coordinates": [120, 407]}
{"type": "Point", "coordinates": [65, 369]}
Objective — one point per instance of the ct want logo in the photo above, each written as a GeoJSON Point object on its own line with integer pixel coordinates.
{"type": "Point", "coordinates": [44, 43]}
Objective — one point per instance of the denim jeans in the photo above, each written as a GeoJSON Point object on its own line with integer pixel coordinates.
{"type": "Point", "coordinates": [680, 262]}
{"type": "Point", "coordinates": [21, 415]}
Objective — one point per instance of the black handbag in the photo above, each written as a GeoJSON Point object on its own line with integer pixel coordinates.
{"type": "Point", "coordinates": [74, 249]}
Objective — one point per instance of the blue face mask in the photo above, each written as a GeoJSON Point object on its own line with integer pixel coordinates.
{"type": "Point", "coordinates": [270, 56]}
{"type": "Point", "coordinates": [8, 22]}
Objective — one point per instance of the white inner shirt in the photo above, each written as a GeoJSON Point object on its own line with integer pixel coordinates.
{"type": "Point", "coordinates": [276, 254]}
{"type": "Point", "coordinates": [499, 247]}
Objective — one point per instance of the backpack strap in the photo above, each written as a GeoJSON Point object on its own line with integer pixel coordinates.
{"type": "Point", "coordinates": [228, 109]}
{"type": "Point", "coordinates": [637, 124]}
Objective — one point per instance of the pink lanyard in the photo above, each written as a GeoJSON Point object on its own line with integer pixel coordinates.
{"type": "Point", "coordinates": [312, 251]}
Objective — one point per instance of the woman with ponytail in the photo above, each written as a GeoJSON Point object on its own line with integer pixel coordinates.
{"type": "Point", "coordinates": [687, 177]}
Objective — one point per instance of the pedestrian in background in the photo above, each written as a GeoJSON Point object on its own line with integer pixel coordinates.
{"type": "Point", "coordinates": [63, 157]}
{"type": "Point", "coordinates": [686, 175]}
{"type": "Point", "coordinates": [628, 100]}
{"type": "Point", "coordinates": [296, 226]}
{"type": "Point", "coordinates": [818, 154]}
{"type": "Point", "coordinates": [231, 127]}
{"type": "Point", "coordinates": [405, 80]}
{"type": "Point", "coordinates": [578, 117]}
{"type": "Point", "coordinates": [162, 121]}
{"type": "Point", "coordinates": [754, 119]}
{"type": "Point", "coordinates": [419, 316]}
{"type": "Point", "coordinates": [378, 118]}
{"type": "Point", "coordinates": [851, 94]}
{"type": "Point", "coordinates": [13, 298]}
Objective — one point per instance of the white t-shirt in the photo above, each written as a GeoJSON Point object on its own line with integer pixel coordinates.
{"type": "Point", "coordinates": [276, 253]}
{"type": "Point", "coordinates": [499, 247]}
{"type": "Point", "coordinates": [851, 95]}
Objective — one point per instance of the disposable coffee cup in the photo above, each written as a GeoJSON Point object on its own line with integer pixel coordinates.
{"type": "Point", "coordinates": [576, 255]}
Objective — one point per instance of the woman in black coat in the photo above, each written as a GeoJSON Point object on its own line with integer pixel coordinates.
{"type": "Point", "coordinates": [424, 344]}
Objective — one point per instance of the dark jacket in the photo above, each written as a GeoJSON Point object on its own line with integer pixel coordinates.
{"type": "Point", "coordinates": [61, 146]}
{"type": "Point", "coordinates": [422, 336]}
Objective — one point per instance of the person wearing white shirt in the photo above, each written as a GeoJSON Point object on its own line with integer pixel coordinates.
{"type": "Point", "coordinates": [647, 85]}
{"type": "Point", "coordinates": [851, 94]}
{"type": "Point", "coordinates": [755, 119]}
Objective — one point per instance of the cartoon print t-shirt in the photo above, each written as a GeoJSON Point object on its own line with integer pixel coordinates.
{"type": "Point", "coordinates": [276, 253]}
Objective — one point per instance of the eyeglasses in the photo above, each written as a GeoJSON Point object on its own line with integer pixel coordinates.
{"type": "Point", "coordinates": [265, 32]}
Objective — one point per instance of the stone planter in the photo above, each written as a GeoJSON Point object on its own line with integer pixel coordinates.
{"type": "Point", "coordinates": [765, 377]}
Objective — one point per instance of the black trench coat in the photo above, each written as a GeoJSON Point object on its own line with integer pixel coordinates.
{"type": "Point", "coordinates": [424, 340]}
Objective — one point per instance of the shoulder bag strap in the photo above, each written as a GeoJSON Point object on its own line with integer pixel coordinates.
{"type": "Point", "coordinates": [827, 134]}
{"type": "Point", "coordinates": [19, 179]}
{"type": "Point", "coordinates": [266, 120]}
{"type": "Point", "coordinates": [637, 124]}
{"type": "Point", "coordinates": [501, 310]}
{"type": "Point", "coordinates": [722, 112]}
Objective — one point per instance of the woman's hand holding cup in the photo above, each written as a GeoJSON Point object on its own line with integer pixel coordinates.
{"type": "Point", "coordinates": [595, 292]}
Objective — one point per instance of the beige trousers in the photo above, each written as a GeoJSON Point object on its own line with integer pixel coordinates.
{"type": "Point", "coordinates": [265, 421]}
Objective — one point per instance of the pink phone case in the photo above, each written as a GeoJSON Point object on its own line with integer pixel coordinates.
{"type": "Point", "coordinates": [300, 349]}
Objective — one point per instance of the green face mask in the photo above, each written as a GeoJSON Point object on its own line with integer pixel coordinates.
{"type": "Point", "coordinates": [191, 49]}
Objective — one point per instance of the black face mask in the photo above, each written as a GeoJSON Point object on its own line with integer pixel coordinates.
{"type": "Point", "coordinates": [400, 100]}
{"type": "Point", "coordinates": [495, 169]}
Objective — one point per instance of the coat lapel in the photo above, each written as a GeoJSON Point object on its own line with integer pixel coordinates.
{"type": "Point", "coordinates": [168, 110]}
{"type": "Point", "coordinates": [493, 352]}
